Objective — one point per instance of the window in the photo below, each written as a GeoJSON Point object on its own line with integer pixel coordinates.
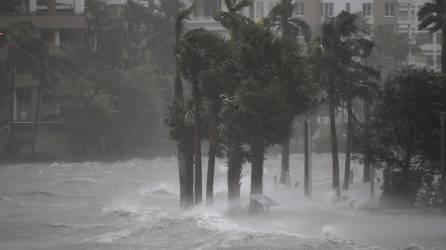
{"type": "Point", "coordinates": [23, 95]}
{"type": "Point", "coordinates": [404, 11]}
{"type": "Point", "coordinates": [424, 38]}
{"type": "Point", "coordinates": [66, 36]}
{"type": "Point", "coordinates": [42, 6]}
{"type": "Point", "coordinates": [211, 7]}
{"type": "Point", "coordinates": [299, 8]}
{"type": "Point", "coordinates": [430, 60]}
{"type": "Point", "coordinates": [252, 10]}
{"type": "Point", "coordinates": [47, 36]}
{"type": "Point", "coordinates": [327, 9]}
{"type": "Point", "coordinates": [366, 9]}
{"type": "Point", "coordinates": [256, 10]}
{"type": "Point", "coordinates": [64, 6]}
{"type": "Point", "coordinates": [390, 9]}
{"type": "Point", "coordinates": [347, 7]}
{"type": "Point", "coordinates": [10, 7]}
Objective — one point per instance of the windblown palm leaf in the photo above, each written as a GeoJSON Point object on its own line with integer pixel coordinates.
{"type": "Point", "coordinates": [432, 17]}
{"type": "Point", "coordinates": [281, 16]}
{"type": "Point", "coordinates": [231, 19]}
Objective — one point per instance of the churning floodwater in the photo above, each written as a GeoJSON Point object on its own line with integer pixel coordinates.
{"type": "Point", "coordinates": [133, 205]}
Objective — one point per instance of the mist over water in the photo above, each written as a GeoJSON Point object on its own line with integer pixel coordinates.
{"type": "Point", "coordinates": [134, 205]}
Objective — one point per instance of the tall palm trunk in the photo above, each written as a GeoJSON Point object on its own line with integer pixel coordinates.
{"type": "Point", "coordinates": [347, 176]}
{"type": "Point", "coordinates": [366, 173]}
{"type": "Point", "coordinates": [11, 138]}
{"type": "Point", "coordinates": [234, 174]}
{"type": "Point", "coordinates": [285, 170]}
{"type": "Point", "coordinates": [188, 154]}
{"type": "Point", "coordinates": [179, 99]}
{"type": "Point", "coordinates": [185, 145]}
{"type": "Point", "coordinates": [213, 140]}
{"type": "Point", "coordinates": [443, 49]}
{"type": "Point", "coordinates": [307, 155]}
{"type": "Point", "coordinates": [197, 143]}
{"type": "Point", "coordinates": [334, 145]}
{"type": "Point", "coordinates": [36, 120]}
{"type": "Point", "coordinates": [257, 151]}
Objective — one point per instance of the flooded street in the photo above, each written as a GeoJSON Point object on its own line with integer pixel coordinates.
{"type": "Point", "coordinates": [134, 205]}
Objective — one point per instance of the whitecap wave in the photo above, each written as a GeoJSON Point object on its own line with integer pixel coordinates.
{"type": "Point", "coordinates": [160, 189]}
{"type": "Point", "coordinates": [76, 180]}
{"type": "Point", "coordinates": [121, 210]}
{"type": "Point", "coordinates": [42, 193]}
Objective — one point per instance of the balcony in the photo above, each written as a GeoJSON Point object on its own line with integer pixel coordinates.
{"type": "Point", "coordinates": [41, 7]}
{"type": "Point", "coordinates": [46, 21]}
{"type": "Point", "coordinates": [204, 22]}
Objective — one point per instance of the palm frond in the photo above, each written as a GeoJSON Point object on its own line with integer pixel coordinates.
{"type": "Point", "coordinates": [431, 22]}
{"type": "Point", "coordinates": [242, 4]}
{"type": "Point", "coordinates": [182, 15]}
{"type": "Point", "coordinates": [303, 28]}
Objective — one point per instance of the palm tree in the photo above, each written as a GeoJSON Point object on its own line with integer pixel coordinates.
{"type": "Point", "coordinates": [272, 91]}
{"type": "Point", "coordinates": [201, 51]}
{"type": "Point", "coordinates": [432, 17]}
{"type": "Point", "coordinates": [203, 59]}
{"type": "Point", "coordinates": [282, 17]}
{"type": "Point", "coordinates": [233, 21]}
{"type": "Point", "coordinates": [358, 83]}
{"type": "Point", "coordinates": [184, 135]}
{"type": "Point", "coordinates": [340, 44]}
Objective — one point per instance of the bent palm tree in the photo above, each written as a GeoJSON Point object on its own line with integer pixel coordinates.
{"type": "Point", "coordinates": [234, 22]}
{"type": "Point", "coordinates": [281, 16]}
{"type": "Point", "coordinates": [432, 17]}
{"type": "Point", "coordinates": [231, 19]}
{"type": "Point", "coordinates": [182, 130]}
{"type": "Point", "coordinates": [203, 55]}
{"type": "Point", "coordinates": [340, 43]}
{"type": "Point", "coordinates": [290, 27]}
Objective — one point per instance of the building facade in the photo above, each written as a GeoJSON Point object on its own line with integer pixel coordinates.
{"type": "Point", "coordinates": [402, 13]}
{"type": "Point", "coordinates": [60, 23]}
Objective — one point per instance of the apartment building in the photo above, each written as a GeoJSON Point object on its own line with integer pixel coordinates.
{"type": "Point", "coordinates": [61, 23]}
{"type": "Point", "coordinates": [402, 13]}
{"type": "Point", "coordinates": [429, 44]}
{"type": "Point", "coordinates": [205, 9]}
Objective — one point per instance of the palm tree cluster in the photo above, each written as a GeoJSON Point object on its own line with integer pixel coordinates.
{"type": "Point", "coordinates": [245, 92]}
{"type": "Point", "coordinates": [241, 94]}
